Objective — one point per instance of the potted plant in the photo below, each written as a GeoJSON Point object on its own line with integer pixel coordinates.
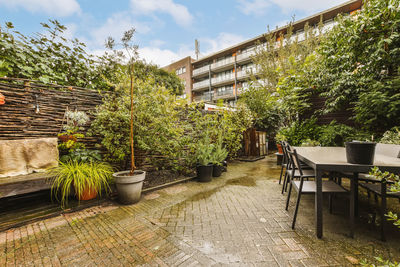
{"type": "Point", "coordinates": [88, 179]}
{"type": "Point", "coordinates": [358, 152]}
{"type": "Point", "coordinates": [129, 183]}
{"type": "Point", "coordinates": [69, 138]}
{"type": "Point", "coordinates": [218, 157]}
{"type": "Point", "coordinates": [205, 165]}
{"type": "Point", "coordinates": [279, 137]}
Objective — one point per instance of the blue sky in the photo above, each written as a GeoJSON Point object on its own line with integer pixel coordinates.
{"type": "Point", "coordinates": [166, 29]}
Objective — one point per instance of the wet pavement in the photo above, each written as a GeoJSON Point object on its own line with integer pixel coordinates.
{"type": "Point", "coordinates": [237, 219]}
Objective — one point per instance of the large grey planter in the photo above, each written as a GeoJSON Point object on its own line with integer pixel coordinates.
{"type": "Point", "coordinates": [129, 188]}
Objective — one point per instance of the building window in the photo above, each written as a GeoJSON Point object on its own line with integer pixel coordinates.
{"type": "Point", "coordinates": [180, 71]}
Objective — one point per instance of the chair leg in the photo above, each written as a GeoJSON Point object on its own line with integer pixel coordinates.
{"type": "Point", "coordinates": [280, 177]}
{"type": "Point", "coordinates": [288, 180]}
{"type": "Point", "coordinates": [330, 203]}
{"type": "Point", "coordinates": [383, 218]}
{"type": "Point", "coordinates": [288, 196]}
{"type": "Point", "coordinates": [297, 206]}
{"type": "Point", "coordinates": [284, 181]}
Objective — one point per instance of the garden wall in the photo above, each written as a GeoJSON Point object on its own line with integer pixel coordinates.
{"type": "Point", "coordinates": [34, 110]}
{"type": "Point", "coordinates": [317, 104]}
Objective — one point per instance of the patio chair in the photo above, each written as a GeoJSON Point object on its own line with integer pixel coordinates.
{"type": "Point", "coordinates": [308, 187]}
{"type": "Point", "coordinates": [289, 166]}
{"type": "Point", "coordinates": [381, 190]}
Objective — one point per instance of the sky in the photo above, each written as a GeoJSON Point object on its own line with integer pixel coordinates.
{"type": "Point", "coordinates": [165, 29]}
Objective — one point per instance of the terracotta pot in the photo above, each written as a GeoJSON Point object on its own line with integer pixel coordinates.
{"type": "Point", "coordinates": [279, 146]}
{"type": "Point", "coordinates": [88, 194]}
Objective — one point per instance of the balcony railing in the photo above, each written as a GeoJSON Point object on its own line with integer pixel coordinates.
{"type": "Point", "coordinates": [201, 70]}
{"type": "Point", "coordinates": [224, 94]}
{"type": "Point", "coordinates": [222, 79]}
{"type": "Point", "coordinates": [202, 84]}
{"type": "Point", "coordinates": [222, 63]}
{"type": "Point", "coordinates": [245, 56]}
{"type": "Point", "coordinates": [203, 97]}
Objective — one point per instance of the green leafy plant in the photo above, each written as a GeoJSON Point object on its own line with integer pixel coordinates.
{"type": "Point", "coordinates": [81, 176]}
{"type": "Point", "coordinates": [357, 65]}
{"type": "Point", "coordinates": [336, 134]}
{"type": "Point", "coordinates": [219, 153]}
{"type": "Point", "coordinates": [82, 155]}
{"type": "Point", "coordinates": [75, 120]}
{"type": "Point", "coordinates": [310, 142]}
{"type": "Point", "coordinates": [391, 136]}
{"type": "Point", "coordinates": [279, 137]}
{"type": "Point", "coordinates": [300, 131]}
{"type": "Point", "coordinates": [204, 153]}
{"type": "Point", "coordinates": [395, 187]}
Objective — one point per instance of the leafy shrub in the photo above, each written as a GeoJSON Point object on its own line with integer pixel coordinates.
{"type": "Point", "coordinates": [391, 136]}
{"type": "Point", "coordinates": [310, 142]}
{"type": "Point", "coordinates": [204, 151]}
{"type": "Point", "coordinates": [82, 155]}
{"type": "Point", "coordinates": [82, 176]}
{"type": "Point", "coordinates": [301, 131]}
{"type": "Point", "coordinates": [335, 134]}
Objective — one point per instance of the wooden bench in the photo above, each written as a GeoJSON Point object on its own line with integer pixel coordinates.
{"type": "Point", "coordinates": [23, 184]}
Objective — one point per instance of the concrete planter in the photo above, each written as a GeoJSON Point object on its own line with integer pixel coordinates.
{"type": "Point", "coordinates": [129, 187]}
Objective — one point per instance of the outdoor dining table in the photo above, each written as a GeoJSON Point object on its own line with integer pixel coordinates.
{"type": "Point", "coordinates": [333, 159]}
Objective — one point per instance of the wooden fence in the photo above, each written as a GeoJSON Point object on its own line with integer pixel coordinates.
{"type": "Point", "coordinates": [33, 110]}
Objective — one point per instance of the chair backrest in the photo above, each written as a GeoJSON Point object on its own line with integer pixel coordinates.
{"type": "Point", "coordinates": [285, 153]}
{"type": "Point", "coordinates": [389, 150]}
{"type": "Point", "coordinates": [294, 159]}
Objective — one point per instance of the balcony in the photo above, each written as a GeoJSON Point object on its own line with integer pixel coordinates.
{"type": "Point", "coordinates": [201, 85]}
{"type": "Point", "coordinates": [201, 71]}
{"type": "Point", "coordinates": [245, 56]}
{"type": "Point", "coordinates": [204, 97]}
{"type": "Point", "coordinates": [224, 94]}
{"type": "Point", "coordinates": [227, 63]}
{"type": "Point", "coordinates": [223, 79]}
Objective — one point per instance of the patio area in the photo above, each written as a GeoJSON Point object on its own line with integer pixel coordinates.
{"type": "Point", "coordinates": [237, 219]}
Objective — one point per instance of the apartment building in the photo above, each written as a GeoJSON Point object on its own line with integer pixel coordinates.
{"type": "Point", "coordinates": [183, 68]}
{"type": "Point", "coordinates": [224, 74]}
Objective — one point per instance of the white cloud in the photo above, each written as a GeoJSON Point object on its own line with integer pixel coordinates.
{"type": "Point", "coordinates": [222, 41]}
{"type": "Point", "coordinates": [254, 7]}
{"type": "Point", "coordinates": [115, 26]}
{"type": "Point", "coordinates": [163, 57]}
{"type": "Point", "coordinates": [179, 12]}
{"type": "Point", "coordinates": [59, 8]}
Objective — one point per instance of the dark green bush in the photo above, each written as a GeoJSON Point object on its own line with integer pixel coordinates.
{"type": "Point", "coordinates": [301, 131]}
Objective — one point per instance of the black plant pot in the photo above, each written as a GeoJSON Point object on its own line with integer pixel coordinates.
{"type": "Point", "coordinates": [217, 170]}
{"type": "Point", "coordinates": [204, 172]}
{"type": "Point", "coordinates": [360, 152]}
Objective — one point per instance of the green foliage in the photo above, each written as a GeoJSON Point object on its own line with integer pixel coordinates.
{"type": "Point", "coordinates": [70, 137]}
{"type": "Point", "coordinates": [281, 86]}
{"type": "Point", "coordinates": [204, 152]}
{"type": "Point", "coordinates": [391, 136]}
{"type": "Point", "coordinates": [335, 134]}
{"type": "Point", "coordinates": [156, 129]}
{"type": "Point", "coordinates": [299, 132]}
{"type": "Point", "coordinates": [82, 155]}
{"type": "Point", "coordinates": [219, 153]}
{"type": "Point", "coordinates": [48, 57]}
{"type": "Point", "coordinates": [357, 64]}
{"type": "Point", "coordinates": [310, 142]}
{"type": "Point", "coordinates": [82, 176]}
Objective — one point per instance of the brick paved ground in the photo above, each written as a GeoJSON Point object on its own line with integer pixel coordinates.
{"type": "Point", "coordinates": [238, 219]}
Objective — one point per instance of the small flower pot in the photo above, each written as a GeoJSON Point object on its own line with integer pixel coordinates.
{"type": "Point", "coordinates": [204, 172]}
{"type": "Point", "coordinates": [360, 152]}
{"type": "Point", "coordinates": [279, 146]}
{"type": "Point", "coordinates": [217, 170]}
{"type": "Point", "coordinates": [129, 187]}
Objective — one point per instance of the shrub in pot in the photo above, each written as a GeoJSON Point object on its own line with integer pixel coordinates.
{"type": "Point", "coordinates": [205, 164]}
{"type": "Point", "coordinates": [88, 179]}
{"type": "Point", "coordinates": [129, 183]}
{"type": "Point", "coordinates": [218, 157]}
{"type": "Point", "coordinates": [279, 137]}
